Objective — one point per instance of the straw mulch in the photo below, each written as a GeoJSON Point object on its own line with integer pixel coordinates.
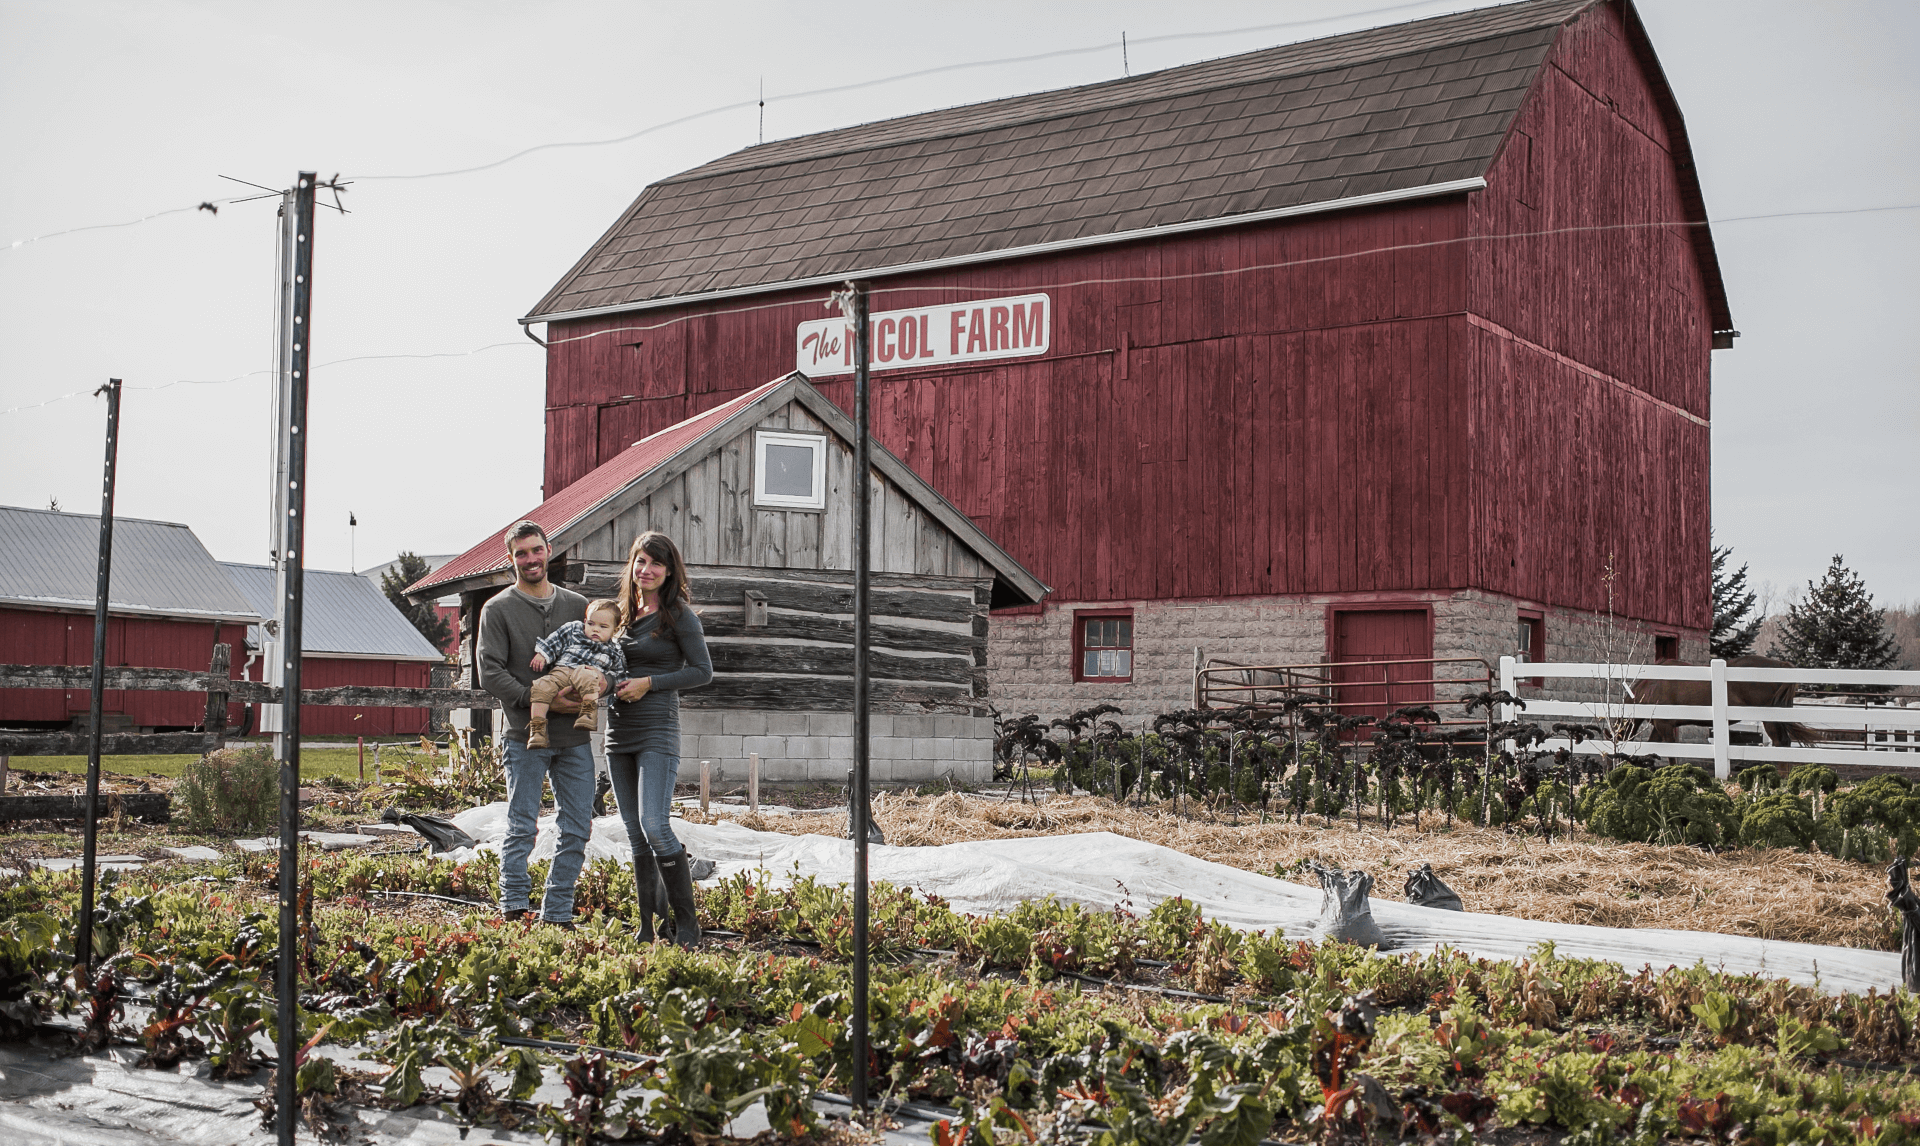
{"type": "Point", "coordinates": [1768, 894]}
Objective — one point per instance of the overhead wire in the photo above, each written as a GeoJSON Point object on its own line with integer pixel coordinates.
{"type": "Point", "coordinates": [643, 328]}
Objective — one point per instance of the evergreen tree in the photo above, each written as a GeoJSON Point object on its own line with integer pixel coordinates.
{"type": "Point", "coordinates": [1733, 633]}
{"type": "Point", "coordinates": [408, 569]}
{"type": "Point", "coordinates": [1836, 627]}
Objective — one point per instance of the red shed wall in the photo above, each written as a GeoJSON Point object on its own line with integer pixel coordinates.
{"type": "Point", "coordinates": [31, 636]}
{"type": "Point", "coordinates": [1591, 368]}
{"type": "Point", "coordinates": [341, 720]}
{"type": "Point", "coordinates": [1291, 429]}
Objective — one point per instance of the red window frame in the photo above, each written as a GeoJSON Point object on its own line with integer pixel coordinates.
{"type": "Point", "coordinates": [1080, 619]}
{"type": "Point", "coordinates": [1534, 621]}
{"type": "Point", "coordinates": [1666, 646]}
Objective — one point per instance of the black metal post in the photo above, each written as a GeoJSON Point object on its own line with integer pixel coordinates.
{"type": "Point", "coordinates": [83, 927]}
{"type": "Point", "coordinates": [862, 558]}
{"type": "Point", "coordinates": [286, 975]}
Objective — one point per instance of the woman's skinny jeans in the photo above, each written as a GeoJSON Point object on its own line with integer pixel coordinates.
{"type": "Point", "coordinates": [643, 790]}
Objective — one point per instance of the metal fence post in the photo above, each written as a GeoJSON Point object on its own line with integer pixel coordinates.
{"type": "Point", "coordinates": [1722, 759]}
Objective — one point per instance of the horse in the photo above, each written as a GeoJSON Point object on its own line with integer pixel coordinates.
{"type": "Point", "coordinates": [1740, 694]}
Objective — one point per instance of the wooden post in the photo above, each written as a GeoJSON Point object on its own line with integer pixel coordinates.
{"type": "Point", "coordinates": [219, 668]}
{"type": "Point", "coordinates": [361, 742]}
{"type": "Point", "coordinates": [3, 773]}
{"type": "Point", "coordinates": [1722, 761]}
{"type": "Point", "coordinates": [706, 784]}
{"type": "Point", "coordinates": [753, 782]}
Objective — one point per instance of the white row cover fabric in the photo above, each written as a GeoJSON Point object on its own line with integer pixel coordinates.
{"type": "Point", "coordinates": [1102, 870]}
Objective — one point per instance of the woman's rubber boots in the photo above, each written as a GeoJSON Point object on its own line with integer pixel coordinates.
{"type": "Point", "coordinates": [646, 890]}
{"type": "Point", "coordinates": [678, 876]}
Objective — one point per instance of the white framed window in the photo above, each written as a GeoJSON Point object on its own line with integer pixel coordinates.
{"type": "Point", "coordinates": [790, 470]}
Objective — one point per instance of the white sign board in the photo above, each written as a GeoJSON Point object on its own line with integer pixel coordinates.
{"type": "Point", "coordinates": [931, 336]}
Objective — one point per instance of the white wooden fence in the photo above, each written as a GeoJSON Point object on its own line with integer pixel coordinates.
{"type": "Point", "coordinates": [1896, 729]}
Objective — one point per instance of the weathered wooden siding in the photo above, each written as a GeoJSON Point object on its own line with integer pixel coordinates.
{"type": "Point", "coordinates": [35, 637]}
{"type": "Point", "coordinates": [929, 639]}
{"type": "Point", "coordinates": [1591, 367]}
{"type": "Point", "coordinates": [709, 512]}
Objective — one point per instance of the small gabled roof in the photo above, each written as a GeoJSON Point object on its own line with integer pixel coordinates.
{"type": "Point", "coordinates": [160, 569]}
{"type": "Point", "coordinates": [342, 615]}
{"type": "Point", "coordinates": [600, 496]}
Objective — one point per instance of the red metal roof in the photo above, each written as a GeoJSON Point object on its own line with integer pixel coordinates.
{"type": "Point", "coordinates": [567, 506]}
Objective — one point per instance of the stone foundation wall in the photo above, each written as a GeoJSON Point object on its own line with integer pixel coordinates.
{"type": "Point", "coordinates": [818, 746]}
{"type": "Point", "coordinates": [1030, 669]}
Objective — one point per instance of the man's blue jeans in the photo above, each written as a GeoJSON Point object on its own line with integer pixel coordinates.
{"type": "Point", "coordinates": [571, 770]}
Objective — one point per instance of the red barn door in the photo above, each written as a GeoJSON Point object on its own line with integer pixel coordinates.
{"type": "Point", "coordinates": [1365, 638]}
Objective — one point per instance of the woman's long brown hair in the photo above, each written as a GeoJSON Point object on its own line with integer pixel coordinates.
{"type": "Point", "coordinates": [675, 592]}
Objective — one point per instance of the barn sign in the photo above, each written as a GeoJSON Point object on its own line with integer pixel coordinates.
{"type": "Point", "coordinates": [977, 331]}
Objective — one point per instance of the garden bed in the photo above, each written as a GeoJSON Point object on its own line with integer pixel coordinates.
{"type": "Point", "coordinates": [1048, 1020]}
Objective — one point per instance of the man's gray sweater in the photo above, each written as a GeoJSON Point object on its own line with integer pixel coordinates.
{"type": "Point", "coordinates": [510, 625]}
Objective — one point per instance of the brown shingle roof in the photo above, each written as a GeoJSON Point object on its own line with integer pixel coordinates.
{"type": "Point", "coordinates": [1385, 110]}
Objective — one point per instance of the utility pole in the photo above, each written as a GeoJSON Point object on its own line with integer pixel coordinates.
{"type": "Point", "coordinates": [270, 660]}
{"type": "Point", "coordinates": [83, 928]}
{"type": "Point", "coordinates": [289, 609]}
{"type": "Point", "coordinates": [862, 560]}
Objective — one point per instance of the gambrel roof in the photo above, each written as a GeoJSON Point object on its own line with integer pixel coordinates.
{"type": "Point", "coordinates": [599, 496]}
{"type": "Point", "coordinates": [1404, 111]}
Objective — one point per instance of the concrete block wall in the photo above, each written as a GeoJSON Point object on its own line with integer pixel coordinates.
{"type": "Point", "coordinates": [818, 746]}
{"type": "Point", "coordinates": [1029, 655]}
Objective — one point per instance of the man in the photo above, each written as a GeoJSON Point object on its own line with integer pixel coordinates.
{"type": "Point", "coordinates": [510, 624]}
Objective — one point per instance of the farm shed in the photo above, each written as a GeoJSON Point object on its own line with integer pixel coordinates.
{"type": "Point", "coordinates": [169, 604]}
{"type": "Point", "coordinates": [1389, 343]}
{"type": "Point", "coordinates": [758, 493]}
{"type": "Point", "coordinates": [350, 634]}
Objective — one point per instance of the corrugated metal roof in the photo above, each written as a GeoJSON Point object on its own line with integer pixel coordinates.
{"type": "Point", "coordinates": [612, 476]}
{"type": "Point", "coordinates": [159, 567]}
{"type": "Point", "coordinates": [343, 615]}
{"type": "Point", "coordinates": [1381, 111]}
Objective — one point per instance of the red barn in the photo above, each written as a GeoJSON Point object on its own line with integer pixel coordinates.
{"type": "Point", "coordinates": [1390, 343]}
{"type": "Point", "coordinates": [168, 605]}
{"type": "Point", "coordinates": [350, 634]}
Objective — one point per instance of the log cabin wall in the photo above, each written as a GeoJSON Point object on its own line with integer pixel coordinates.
{"type": "Point", "coordinates": [785, 689]}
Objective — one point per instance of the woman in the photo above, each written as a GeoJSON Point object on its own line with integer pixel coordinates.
{"type": "Point", "coordinates": [666, 651]}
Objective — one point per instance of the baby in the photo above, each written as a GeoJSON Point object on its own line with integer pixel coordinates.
{"type": "Point", "coordinates": [585, 658]}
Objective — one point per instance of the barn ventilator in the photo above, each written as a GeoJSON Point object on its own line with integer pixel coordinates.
{"type": "Point", "coordinates": [83, 929]}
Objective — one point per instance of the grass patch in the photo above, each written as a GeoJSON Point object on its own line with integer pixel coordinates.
{"type": "Point", "coordinates": [315, 763]}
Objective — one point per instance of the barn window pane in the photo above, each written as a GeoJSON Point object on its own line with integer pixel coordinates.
{"type": "Point", "coordinates": [1106, 647]}
{"type": "Point", "coordinates": [790, 470]}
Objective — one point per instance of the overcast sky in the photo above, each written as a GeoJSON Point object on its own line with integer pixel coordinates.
{"type": "Point", "coordinates": [109, 112]}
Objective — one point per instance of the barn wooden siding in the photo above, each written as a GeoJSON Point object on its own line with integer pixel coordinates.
{"type": "Point", "coordinates": [929, 638]}
{"type": "Point", "coordinates": [1407, 397]}
{"type": "Point", "coordinates": [48, 638]}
